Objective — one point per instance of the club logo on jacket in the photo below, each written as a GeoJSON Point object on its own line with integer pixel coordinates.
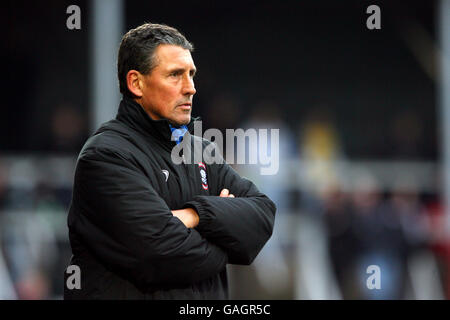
{"type": "Point", "coordinates": [202, 168]}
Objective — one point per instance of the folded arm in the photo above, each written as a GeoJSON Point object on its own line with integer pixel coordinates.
{"type": "Point", "coordinates": [241, 224]}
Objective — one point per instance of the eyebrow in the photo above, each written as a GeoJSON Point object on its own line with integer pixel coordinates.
{"type": "Point", "coordinates": [182, 70]}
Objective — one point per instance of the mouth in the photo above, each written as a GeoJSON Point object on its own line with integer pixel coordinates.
{"type": "Point", "coordinates": [185, 106]}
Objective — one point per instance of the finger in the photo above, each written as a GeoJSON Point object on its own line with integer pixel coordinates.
{"type": "Point", "coordinates": [224, 193]}
{"type": "Point", "coordinates": [231, 196]}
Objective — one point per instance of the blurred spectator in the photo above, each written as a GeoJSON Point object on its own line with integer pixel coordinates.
{"type": "Point", "coordinates": [409, 212]}
{"type": "Point", "coordinates": [362, 232]}
{"type": "Point", "coordinates": [341, 241]}
{"type": "Point", "coordinates": [320, 156]}
{"type": "Point", "coordinates": [266, 115]}
{"type": "Point", "coordinates": [271, 265]}
{"type": "Point", "coordinates": [320, 151]}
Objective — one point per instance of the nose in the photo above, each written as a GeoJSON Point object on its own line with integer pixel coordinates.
{"type": "Point", "coordinates": [188, 86]}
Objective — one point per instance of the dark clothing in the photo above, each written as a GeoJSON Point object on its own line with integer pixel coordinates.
{"type": "Point", "coordinates": [123, 235]}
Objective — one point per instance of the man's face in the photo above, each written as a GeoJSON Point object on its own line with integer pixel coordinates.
{"type": "Point", "coordinates": [168, 89]}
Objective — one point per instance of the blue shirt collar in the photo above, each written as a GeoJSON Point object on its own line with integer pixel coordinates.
{"type": "Point", "coordinates": [178, 133]}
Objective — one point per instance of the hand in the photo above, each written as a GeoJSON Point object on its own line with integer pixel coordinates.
{"type": "Point", "coordinates": [225, 193]}
{"type": "Point", "coordinates": [188, 216]}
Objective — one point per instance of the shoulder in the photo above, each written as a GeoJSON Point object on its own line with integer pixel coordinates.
{"type": "Point", "coordinates": [108, 142]}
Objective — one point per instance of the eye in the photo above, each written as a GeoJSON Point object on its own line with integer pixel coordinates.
{"type": "Point", "coordinates": [175, 74]}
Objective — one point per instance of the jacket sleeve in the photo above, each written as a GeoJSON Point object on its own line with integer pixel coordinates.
{"type": "Point", "coordinates": [129, 227]}
{"type": "Point", "coordinates": [240, 225]}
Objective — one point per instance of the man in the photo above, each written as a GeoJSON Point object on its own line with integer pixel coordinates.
{"type": "Point", "coordinates": [141, 226]}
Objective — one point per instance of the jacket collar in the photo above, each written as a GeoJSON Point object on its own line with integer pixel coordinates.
{"type": "Point", "coordinates": [132, 114]}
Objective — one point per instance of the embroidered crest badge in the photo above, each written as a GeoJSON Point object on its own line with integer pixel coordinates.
{"type": "Point", "coordinates": [202, 168]}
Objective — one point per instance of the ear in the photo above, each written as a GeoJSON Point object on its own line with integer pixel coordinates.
{"type": "Point", "coordinates": [135, 82]}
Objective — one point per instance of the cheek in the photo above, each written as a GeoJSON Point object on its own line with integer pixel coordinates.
{"type": "Point", "coordinates": [169, 95]}
{"type": "Point", "coordinates": [157, 97]}
{"type": "Point", "coordinates": [162, 96]}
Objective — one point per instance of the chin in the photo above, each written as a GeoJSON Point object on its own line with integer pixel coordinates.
{"type": "Point", "coordinates": [181, 121]}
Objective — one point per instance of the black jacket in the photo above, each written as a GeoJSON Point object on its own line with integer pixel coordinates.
{"type": "Point", "coordinates": [124, 238]}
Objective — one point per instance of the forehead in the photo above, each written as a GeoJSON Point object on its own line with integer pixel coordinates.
{"type": "Point", "coordinates": [169, 56]}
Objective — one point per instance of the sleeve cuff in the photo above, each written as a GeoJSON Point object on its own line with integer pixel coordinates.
{"type": "Point", "coordinates": [203, 215]}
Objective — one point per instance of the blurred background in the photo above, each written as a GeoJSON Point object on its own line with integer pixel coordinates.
{"type": "Point", "coordinates": [363, 118]}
